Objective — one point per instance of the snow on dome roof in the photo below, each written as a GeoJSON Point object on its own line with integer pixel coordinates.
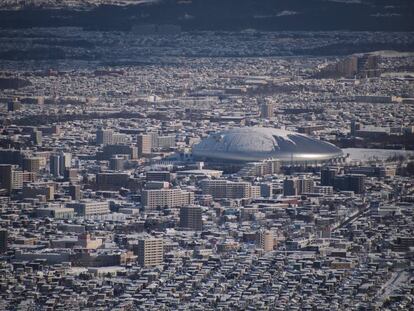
{"type": "Point", "coordinates": [260, 143]}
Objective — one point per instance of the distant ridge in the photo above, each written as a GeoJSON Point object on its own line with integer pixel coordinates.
{"type": "Point", "coordinates": [384, 15]}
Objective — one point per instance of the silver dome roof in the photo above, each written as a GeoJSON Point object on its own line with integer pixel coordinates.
{"type": "Point", "coordinates": [260, 143]}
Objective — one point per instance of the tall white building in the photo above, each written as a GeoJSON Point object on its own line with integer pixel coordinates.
{"type": "Point", "coordinates": [150, 252]}
{"type": "Point", "coordinates": [153, 198]}
{"type": "Point", "coordinates": [90, 208]}
{"type": "Point", "coordinates": [265, 240]}
{"type": "Point", "coordinates": [221, 188]}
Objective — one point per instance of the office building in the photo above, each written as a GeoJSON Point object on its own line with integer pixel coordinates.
{"type": "Point", "coordinates": [350, 182]}
{"type": "Point", "coordinates": [327, 176]}
{"type": "Point", "coordinates": [75, 192]}
{"type": "Point", "coordinates": [116, 163]}
{"type": "Point", "coordinates": [191, 218]}
{"type": "Point", "coordinates": [166, 198]}
{"type": "Point", "coordinates": [150, 252]}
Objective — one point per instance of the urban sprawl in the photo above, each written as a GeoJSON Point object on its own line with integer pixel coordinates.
{"type": "Point", "coordinates": [164, 170]}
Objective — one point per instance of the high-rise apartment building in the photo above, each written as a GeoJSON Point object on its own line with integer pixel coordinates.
{"type": "Point", "coordinates": [104, 137]}
{"type": "Point", "coordinates": [169, 198]}
{"type": "Point", "coordinates": [297, 186]}
{"type": "Point", "coordinates": [144, 143]}
{"type": "Point", "coordinates": [191, 218]}
{"type": "Point", "coordinates": [32, 164]}
{"type": "Point", "coordinates": [221, 188]}
{"type": "Point", "coordinates": [10, 178]}
{"type": "Point", "coordinates": [90, 208]}
{"type": "Point", "coordinates": [265, 240]}
{"type": "Point", "coordinates": [36, 137]}
{"type": "Point", "coordinates": [17, 179]}
{"type": "Point", "coordinates": [266, 110]}
{"type": "Point", "coordinates": [305, 185]}
{"type": "Point", "coordinates": [3, 240]}
{"type": "Point", "coordinates": [150, 252]}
